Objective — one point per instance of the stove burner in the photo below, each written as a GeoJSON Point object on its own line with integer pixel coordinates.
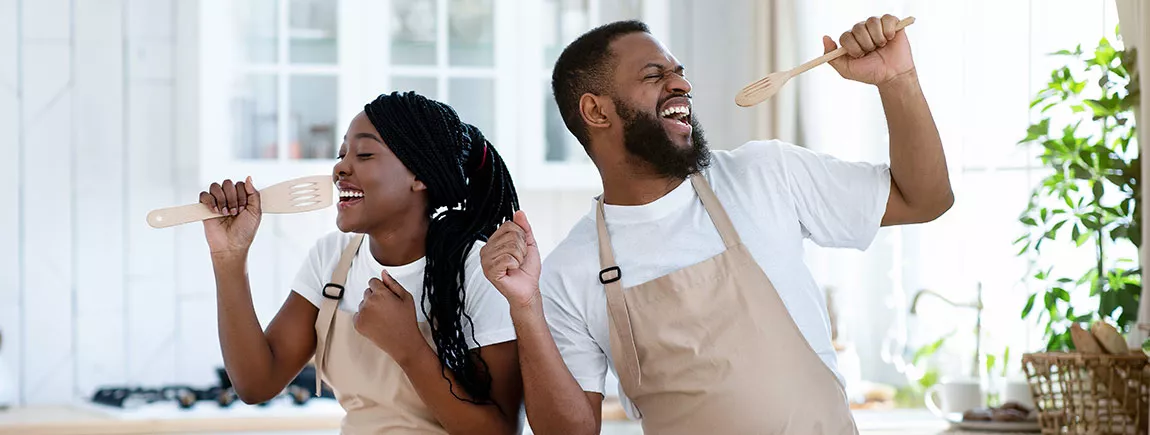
{"type": "Point", "coordinates": [184, 396]}
{"type": "Point", "coordinates": [300, 390]}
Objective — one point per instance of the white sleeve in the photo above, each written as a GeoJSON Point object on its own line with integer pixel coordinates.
{"type": "Point", "coordinates": [839, 204]}
{"type": "Point", "coordinates": [488, 309]}
{"type": "Point", "coordinates": [310, 279]}
{"type": "Point", "coordinates": [584, 358]}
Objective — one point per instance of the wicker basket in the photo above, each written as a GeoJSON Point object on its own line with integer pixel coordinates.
{"type": "Point", "coordinates": [1078, 393]}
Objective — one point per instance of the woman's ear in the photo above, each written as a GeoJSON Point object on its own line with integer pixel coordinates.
{"type": "Point", "coordinates": [418, 186]}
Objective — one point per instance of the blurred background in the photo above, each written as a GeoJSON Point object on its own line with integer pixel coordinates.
{"type": "Point", "coordinates": [112, 108]}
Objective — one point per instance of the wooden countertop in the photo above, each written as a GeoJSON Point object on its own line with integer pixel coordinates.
{"type": "Point", "coordinates": [207, 418]}
{"type": "Point", "coordinates": [319, 417]}
{"type": "Point", "coordinates": [88, 419]}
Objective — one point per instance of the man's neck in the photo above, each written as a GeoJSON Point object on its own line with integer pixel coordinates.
{"type": "Point", "coordinates": [627, 186]}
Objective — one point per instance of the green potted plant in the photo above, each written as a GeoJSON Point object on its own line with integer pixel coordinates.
{"type": "Point", "coordinates": [1091, 197]}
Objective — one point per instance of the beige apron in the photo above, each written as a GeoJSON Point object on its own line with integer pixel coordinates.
{"type": "Point", "coordinates": [711, 349]}
{"type": "Point", "coordinates": [369, 384]}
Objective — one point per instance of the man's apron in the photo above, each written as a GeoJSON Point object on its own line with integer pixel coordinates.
{"type": "Point", "coordinates": [711, 349]}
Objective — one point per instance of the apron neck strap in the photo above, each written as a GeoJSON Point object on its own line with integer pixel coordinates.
{"type": "Point", "coordinates": [710, 202]}
{"type": "Point", "coordinates": [716, 211]}
{"type": "Point", "coordinates": [339, 275]}
{"type": "Point", "coordinates": [606, 255]}
{"type": "Point", "coordinates": [332, 293]}
{"type": "Point", "coordinates": [618, 320]}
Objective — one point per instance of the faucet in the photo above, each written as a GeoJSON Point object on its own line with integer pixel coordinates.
{"type": "Point", "coordinates": [976, 305]}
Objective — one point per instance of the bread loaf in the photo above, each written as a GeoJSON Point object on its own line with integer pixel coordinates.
{"type": "Point", "coordinates": [1111, 341]}
{"type": "Point", "coordinates": [1084, 341]}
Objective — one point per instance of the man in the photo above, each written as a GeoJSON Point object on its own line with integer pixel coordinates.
{"type": "Point", "coordinates": [686, 277]}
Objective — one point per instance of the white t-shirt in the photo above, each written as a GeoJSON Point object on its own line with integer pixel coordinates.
{"type": "Point", "coordinates": [483, 303]}
{"type": "Point", "coordinates": [776, 194]}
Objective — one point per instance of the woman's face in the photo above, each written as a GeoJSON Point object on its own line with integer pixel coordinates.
{"type": "Point", "coordinates": [374, 186]}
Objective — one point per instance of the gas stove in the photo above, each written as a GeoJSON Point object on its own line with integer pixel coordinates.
{"type": "Point", "coordinates": [300, 390]}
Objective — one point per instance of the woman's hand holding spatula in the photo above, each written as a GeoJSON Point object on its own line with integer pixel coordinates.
{"type": "Point", "coordinates": [231, 211]}
{"type": "Point", "coordinates": [241, 206]}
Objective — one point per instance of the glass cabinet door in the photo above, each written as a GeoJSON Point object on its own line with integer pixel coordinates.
{"type": "Point", "coordinates": [285, 88]}
{"type": "Point", "coordinates": [446, 50]}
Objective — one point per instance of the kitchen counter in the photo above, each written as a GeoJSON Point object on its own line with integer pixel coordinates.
{"type": "Point", "coordinates": [319, 417]}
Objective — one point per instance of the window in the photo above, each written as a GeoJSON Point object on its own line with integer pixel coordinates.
{"type": "Point", "coordinates": [281, 79]}
{"type": "Point", "coordinates": [274, 77]}
{"type": "Point", "coordinates": [557, 159]}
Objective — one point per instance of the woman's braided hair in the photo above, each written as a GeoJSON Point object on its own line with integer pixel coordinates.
{"type": "Point", "coordinates": [470, 194]}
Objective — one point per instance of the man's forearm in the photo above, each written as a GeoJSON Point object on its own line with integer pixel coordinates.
{"type": "Point", "coordinates": [917, 163]}
{"type": "Point", "coordinates": [555, 402]}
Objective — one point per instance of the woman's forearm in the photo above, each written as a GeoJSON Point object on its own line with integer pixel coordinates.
{"type": "Point", "coordinates": [247, 356]}
{"type": "Point", "coordinates": [457, 416]}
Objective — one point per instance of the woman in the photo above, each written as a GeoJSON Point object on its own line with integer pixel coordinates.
{"type": "Point", "coordinates": [451, 365]}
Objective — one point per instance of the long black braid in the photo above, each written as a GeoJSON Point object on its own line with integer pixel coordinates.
{"type": "Point", "coordinates": [470, 195]}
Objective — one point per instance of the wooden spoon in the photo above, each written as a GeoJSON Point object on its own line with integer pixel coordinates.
{"type": "Point", "coordinates": [768, 86]}
{"type": "Point", "coordinates": [292, 196]}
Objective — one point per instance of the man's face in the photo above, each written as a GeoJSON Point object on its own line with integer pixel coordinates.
{"type": "Point", "coordinates": [652, 98]}
{"type": "Point", "coordinates": [646, 139]}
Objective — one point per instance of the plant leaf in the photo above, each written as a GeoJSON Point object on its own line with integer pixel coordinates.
{"type": "Point", "coordinates": [930, 349]}
{"type": "Point", "coordinates": [1005, 360]}
{"type": "Point", "coordinates": [1029, 305]}
{"type": "Point", "coordinates": [1060, 293]}
{"type": "Point", "coordinates": [1082, 239]}
{"type": "Point", "coordinates": [1098, 108]}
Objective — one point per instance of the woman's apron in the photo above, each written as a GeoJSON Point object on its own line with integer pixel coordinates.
{"type": "Point", "coordinates": [369, 384]}
{"type": "Point", "coordinates": [711, 349]}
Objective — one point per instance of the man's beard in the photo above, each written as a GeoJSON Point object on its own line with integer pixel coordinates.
{"type": "Point", "coordinates": [645, 139]}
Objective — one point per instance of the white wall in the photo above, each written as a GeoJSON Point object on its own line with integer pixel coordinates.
{"type": "Point", "coordinates": [88, 294]}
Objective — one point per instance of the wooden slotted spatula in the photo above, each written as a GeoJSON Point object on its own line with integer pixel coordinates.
{"type": "Point", "coordinates": [768, 86]}
{"type": "Point", "coordinates": [292, 196]}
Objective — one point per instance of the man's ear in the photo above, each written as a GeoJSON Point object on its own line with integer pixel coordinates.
{"type": "Point", "coordinates": [597, 111]}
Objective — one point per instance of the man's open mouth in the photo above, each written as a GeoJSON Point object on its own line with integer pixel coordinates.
{"type": "Point", "coordinates": [676, 115]}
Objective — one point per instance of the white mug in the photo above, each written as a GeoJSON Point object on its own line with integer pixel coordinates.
{"type": "Point", "coordinates": [1018, 391]}
{"type": "Point", "coordinates": [957, 397]}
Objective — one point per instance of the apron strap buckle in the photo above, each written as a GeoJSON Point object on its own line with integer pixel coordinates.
{"type": "Point", "coordinates": [605, 278]}
{"type": "Point", "coordinates": [336, 296]}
